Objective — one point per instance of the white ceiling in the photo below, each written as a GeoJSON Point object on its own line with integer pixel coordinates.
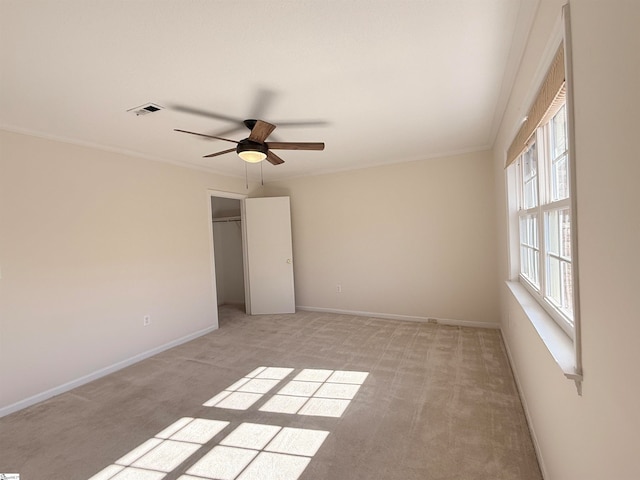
{"type": "Point", "coordinates": [381, 80]}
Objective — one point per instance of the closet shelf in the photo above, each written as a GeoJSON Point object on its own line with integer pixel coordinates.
{"type": "Point", "coordinates": [227, 219]}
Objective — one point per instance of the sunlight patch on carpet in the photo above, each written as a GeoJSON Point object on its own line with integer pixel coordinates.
{"type": "Point", "coordinates": [251, 451]}
{"type": "Point", "coordinates": [259, 452]}
{"type": "Point", "coordinates": [313, 392]}
{"type": "Point", "coordinates": [325, 393]}
{"type": "Point", "coordinates": [162, 454]}
{"type": "Point", "coordinates": [248, 390]}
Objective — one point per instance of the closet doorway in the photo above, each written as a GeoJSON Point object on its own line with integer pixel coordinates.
{"type": "Point", "coordinates": [252, 253]}
{"type": "Point", "coordinates": [226, 221]}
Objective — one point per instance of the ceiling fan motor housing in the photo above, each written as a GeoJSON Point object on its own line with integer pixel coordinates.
{"type": "Point", "coordinates": [250, 123]}
{"type": "Point", "coordinates": [253, 150]}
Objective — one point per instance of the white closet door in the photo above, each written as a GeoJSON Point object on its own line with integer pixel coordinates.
{"type": "Point", "coordinates": [269, 258]}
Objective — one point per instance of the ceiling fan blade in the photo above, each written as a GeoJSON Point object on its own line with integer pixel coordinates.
{"type": "Point", "coordinates": [274, 159]}
{"type": "Point", "coordinates": [206, 113]}
{"type": "Point", "coordinates": [260, 131]}
{"type": "Point", "coordinates": [263, 99]}
{"type": "Point", "coordinates": [207, 136]}
{"type": "Point", "coordinates": [239, 126]}
{"type": "Point", "coordinates": [296, 145]}
{"type": "Point", "coordinates": [303, 123]}
{"type": "Point", "coordinates": [231, 131]}
{"type": "Point", "coordinates": [219, 153]}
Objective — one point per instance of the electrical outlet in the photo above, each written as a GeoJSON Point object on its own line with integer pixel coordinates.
{"type": "Point", "coordinates": [339, 288]}
{"type": "Point", "coordinates": [146, 320]}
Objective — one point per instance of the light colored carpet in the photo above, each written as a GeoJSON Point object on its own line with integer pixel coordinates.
{"type": "Point", "coordinates": [372, 399]}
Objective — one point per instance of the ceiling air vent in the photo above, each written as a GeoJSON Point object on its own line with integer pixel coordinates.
{"type": "Point", "coordinates": [145, 109]}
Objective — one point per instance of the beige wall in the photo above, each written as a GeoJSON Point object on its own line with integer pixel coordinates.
{"type": "Point", "coordinates": [595, 436]}
{"type": "Point", "coordinates": [90, 242]}
{"type": "Point", "coordinates": [414, 239]}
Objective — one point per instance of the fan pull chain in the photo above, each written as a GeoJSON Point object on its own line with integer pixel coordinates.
{"type": "Point", "coordinates": [246, 176]}
{"type": "Point", "coordinates": [261, 174]}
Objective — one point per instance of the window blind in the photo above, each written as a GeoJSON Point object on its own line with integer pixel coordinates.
{"type": "Point", "coordinates": [551, 93]}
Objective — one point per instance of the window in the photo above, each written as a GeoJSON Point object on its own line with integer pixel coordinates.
{"type": "Point", "coordinates": [544, 218]}
{"type": "Point", "coordinates": [541, 186]}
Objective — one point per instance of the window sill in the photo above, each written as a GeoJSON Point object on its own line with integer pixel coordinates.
{"type": "Point", "coordinates": [555, 339]}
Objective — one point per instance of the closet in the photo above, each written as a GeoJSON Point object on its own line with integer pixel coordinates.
{"type": "Point", "coordinates": [228, 254]}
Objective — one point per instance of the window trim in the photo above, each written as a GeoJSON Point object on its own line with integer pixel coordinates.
{"type": "Point", "coordinates": [571, 139]}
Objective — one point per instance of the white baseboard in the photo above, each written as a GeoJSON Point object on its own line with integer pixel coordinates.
{"type": "Point", "coordinates": [406, 318]}
{"type": "Point", "coordinates": [27, 402]}
{"type": "Point", "coordinates": [527, 414]}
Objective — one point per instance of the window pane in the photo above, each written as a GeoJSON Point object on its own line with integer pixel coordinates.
{"type": "Point", "coordinates": [565, 233]}
{"type": "Point", "coordinates": [524, 261]}
{"type": "Point", "coordinates": [535, 274]}
{"type": "Point", "coordinates": [530, 178]}
{"type": "Point", "coordinates": [567, 289]}
{"type": "Point", "coordinates": [529, 231]}
{"type": "Point", "coordinates": [531, 193]}
{"type": "Point", "coordinates": [560, 285]}
{"type": "Point", "coordinates": [559, 133]}
{"type": "Point", "coordinates": [560, 178]}
{"type": "Point", "coordinates": [529, 249]}
{"type": "Point", "coordinates": [529, 265]}
{"type": "Point", "coordinates": [553, 237]}
{"type": "Point", "coordinates": [558, 233]}
{"type": "Point", "coordinates": [558, 274]}
{"type": "Point", "coordinates": [559, 161]}
{"type": "Point", "coordinates": [530, 162]}
{"type": "Point", "coordinates": [553, 280]}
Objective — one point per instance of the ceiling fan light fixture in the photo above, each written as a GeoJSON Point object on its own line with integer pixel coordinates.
{"type": "Point", "coordinates": [251, 152]}
{"type": "Point", "coordinates": [251, 156]}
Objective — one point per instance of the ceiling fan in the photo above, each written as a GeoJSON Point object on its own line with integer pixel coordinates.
{"type": "Point", "coordinates": [254, 148]}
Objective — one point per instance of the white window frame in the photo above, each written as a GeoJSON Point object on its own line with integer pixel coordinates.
{"type": "Point", "coordinates": [544, 205]}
